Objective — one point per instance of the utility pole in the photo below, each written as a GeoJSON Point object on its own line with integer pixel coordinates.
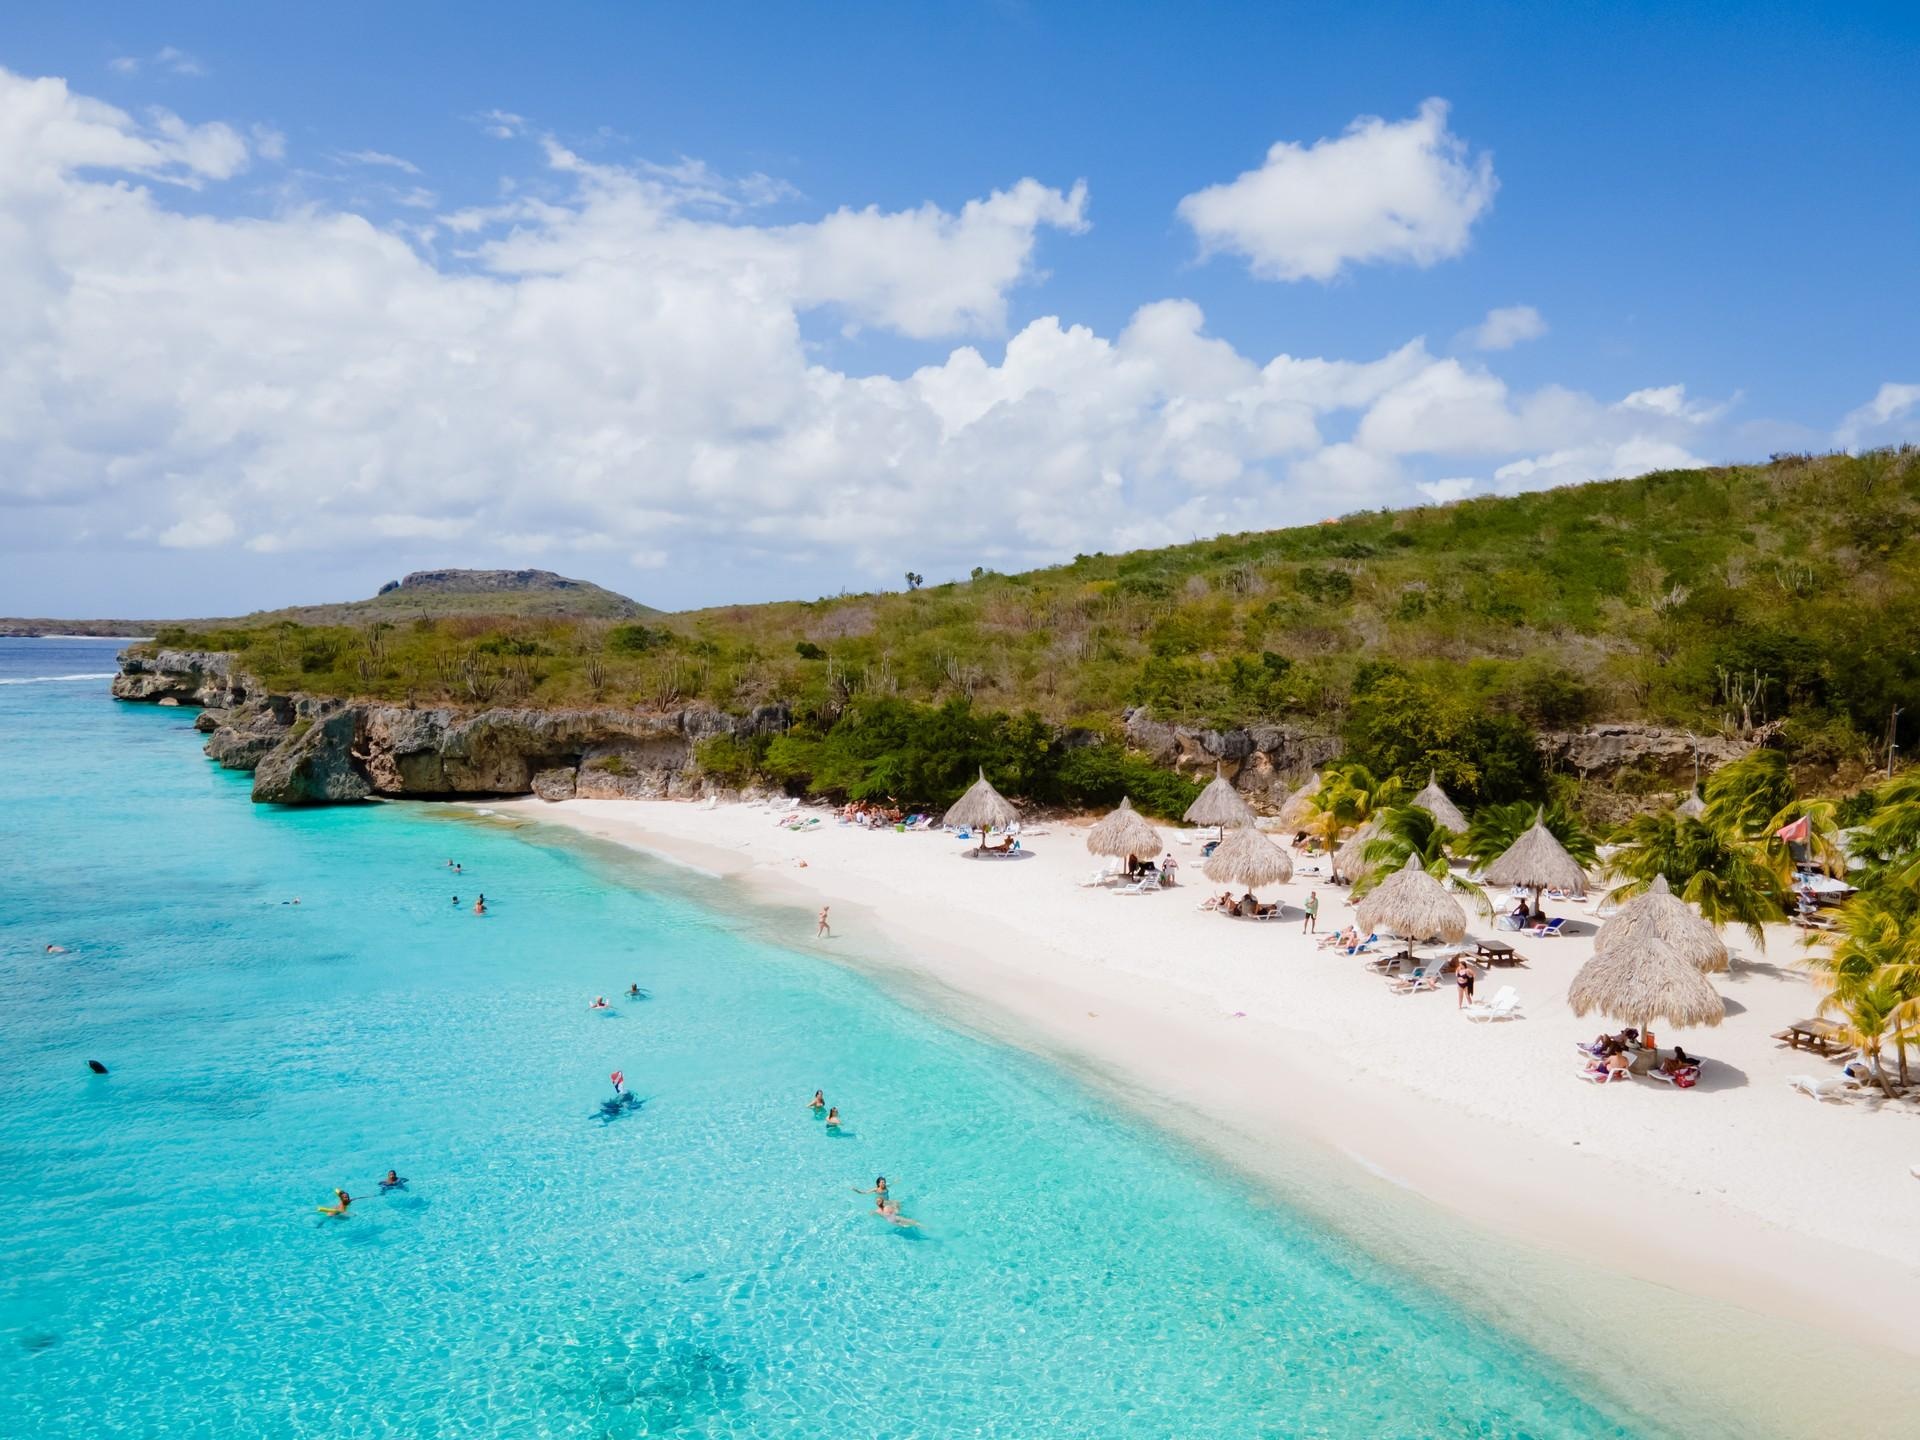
{"type": "Point", "coordinates": [1893, 729]}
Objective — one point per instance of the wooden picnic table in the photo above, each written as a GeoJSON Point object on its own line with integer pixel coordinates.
{"type": "Point", "coordinates": [1822, 1035]}
{"type": "Point", "coordinates": [1498, 952]}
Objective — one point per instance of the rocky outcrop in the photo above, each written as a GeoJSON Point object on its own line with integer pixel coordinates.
{"type": "Point", "coordinates": [555, 784]}
{"type": "Point", "coordinates": [188, 677]}
{"type": "Point", "coordinates": [1650, 753]}
{"type": "Point", "coordinates": [243, 735]}
{"type": "Point", "coordinates": [316, 764]}
{"type": "Point", "coordinates": [1266, 763]}
{"type": "Point", "coordinates": [307, 750]}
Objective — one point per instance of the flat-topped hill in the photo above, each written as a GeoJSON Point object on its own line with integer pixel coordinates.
{"type": "Point", "coordinates": [431, 594]}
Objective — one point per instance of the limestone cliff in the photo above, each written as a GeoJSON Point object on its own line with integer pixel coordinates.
{"type": "Point", "coordinates": [313, 750]}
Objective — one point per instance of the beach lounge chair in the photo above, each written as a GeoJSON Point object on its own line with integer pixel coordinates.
{"type": "Point", "coordinates": [1505, 1005]}
{"type": "Point", "coordinates": [1365, 946]}
{"type": "Point", "coordinates": [1553, 927]}
{"type": "Point", "coordinates": [1830, 1087]}
{"type": "Point", "coordinates": [1601, 1076]}
{"type": "Point", "coordinates": [1686, 1079]}
{"type": "Point", "coordinates": [1420, 979]}
{"type": "Point", "coordinates": [1145, 885]}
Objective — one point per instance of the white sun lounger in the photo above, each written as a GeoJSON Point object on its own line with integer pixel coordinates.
{"type": "Point", "coordinates": [1505, 1005]}
{"type": "Point", "coordinates": [1830, 1087]}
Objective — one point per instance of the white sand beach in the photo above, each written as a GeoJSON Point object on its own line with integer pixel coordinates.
{"type": "Point", "coordinates": [1740, 1191]}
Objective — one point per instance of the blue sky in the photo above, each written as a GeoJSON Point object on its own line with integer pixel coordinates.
{"type": "Point", "coordinates": [1721, 198]}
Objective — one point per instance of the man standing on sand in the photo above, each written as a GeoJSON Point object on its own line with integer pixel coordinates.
{"type": "Point", "coordinates": [1312, 908]}
{"type": "Point", "coordinates": [823, 928]}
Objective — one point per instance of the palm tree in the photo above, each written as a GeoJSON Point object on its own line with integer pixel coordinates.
{"type": "Point", "coordinates": [1408, 831]}
{"type": "Point", "coordinates": [1873, 972]}
{"type": "Point", "coordinates": [1889, 839]}
{"type": "Point", "coordinates": [1493, 829]}
{"type": "Point", "coordinates": [1729, 879]}
{"type": "Point", "coordinates": [1745, 795]}
{"type": "Point", "coordinates": [1349, 795]}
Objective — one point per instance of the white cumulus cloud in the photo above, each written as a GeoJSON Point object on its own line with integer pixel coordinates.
{"type": "Point", "coordinates": [1405, 191]}
{"type": "Point", "coordinates": [1879, 419]}
{"type": "Point", "coordinates": [1507, 327]}
{"type": "Point", "coordinates": [615, 364]}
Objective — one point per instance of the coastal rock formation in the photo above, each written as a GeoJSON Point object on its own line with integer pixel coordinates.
{"type": "Point", "coordinates": [554, 784]}
{"type": "Point", "coordinates": [243, 735]}
{"type": "Point", "coordinates": [190, 677]}
{"type": "Point", "coordinates": [1654, 754]}
{"type": "Point", "coordinates": [316, 764]}
{"type": "Point", "coordinates": [1264, 762]}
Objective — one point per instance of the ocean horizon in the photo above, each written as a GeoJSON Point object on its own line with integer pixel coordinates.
{"type": "Point", "coordinates": [700, 1265]}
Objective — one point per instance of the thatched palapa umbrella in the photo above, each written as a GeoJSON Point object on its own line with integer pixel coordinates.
{"type": "Point", "coordinates": [1437, 803]}
{"type": "Point", "coordinates": [1536, 862]}
{"type": "Point", "coordinates": [1350, 860]}
{"type": "Point", "coordinates": [1246, 857]}
{"type": "Point", "coordinates": [1124, 834]}
{"type": "Point", "coordinates": [1412, 904]}
{"type": "Point", "coordinates": [1299, 807]}
{"type": "Point", "coordinates": [1219, 804]}
{"type": "Point", "coordinates": [982, 808]}
{"type": "Point", "coordinates": [1661, 915]}
{"type": "Point", "coordinates": [1643, 983]}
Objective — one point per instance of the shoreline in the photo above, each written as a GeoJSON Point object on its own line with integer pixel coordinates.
{"type": "Point", "coordinates": [1082, 979]}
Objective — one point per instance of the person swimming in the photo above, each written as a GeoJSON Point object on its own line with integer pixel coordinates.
{"type": "Point", "coordinates": [56, 949]}
{"type": "Point", "coordinates": [394, 1181]}
{"type": "Point", "coordinates": [819, 1101]}
{"type": "Point", "coordinates": [879, 1188]}
{"type": "Point", "coordinates": [599, 1003]}
{"type": "Point", "coordinates": [480, 906]}
{"type": "Point", "coordinates": [336, 1210]}
{"type": "Point", "coordinates": [633, 992]}
{"type": "Point", "coordinates": [890, 1212]}
{"type": "Point", "coordinates": [833, 1117]}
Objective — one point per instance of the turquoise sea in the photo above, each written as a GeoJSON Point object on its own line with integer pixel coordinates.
{"type": "Point", "coordinates": [701, 1267]}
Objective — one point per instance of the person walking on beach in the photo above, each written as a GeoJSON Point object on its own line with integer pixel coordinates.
{"type": "Point", "coordinates": [823, 928]}
{"type": "Point", "coordinates": [1463, 978]}
{"type": "Point", "coordinates": [1312, 908]}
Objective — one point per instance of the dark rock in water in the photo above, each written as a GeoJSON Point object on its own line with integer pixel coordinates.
{"type": "Point", "coordinates": [555, 784]}
{"type": "Point", "coordinates": [315, 764]}
{"type": "Point", "coordinates": [96, 1067]}
{"type": "Point", "coordinates": [207, 721]}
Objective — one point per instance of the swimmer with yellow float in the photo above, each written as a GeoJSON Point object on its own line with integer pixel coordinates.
{"type": "Point", "coordinates": [339, 1209]}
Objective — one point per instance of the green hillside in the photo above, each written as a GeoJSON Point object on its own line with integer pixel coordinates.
{"type": "Point", "coordinates": [1784, 595]}
{"type": "Point", "coordinates": [435, 593]}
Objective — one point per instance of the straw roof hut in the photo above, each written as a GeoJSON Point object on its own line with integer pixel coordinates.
{"type": "Point", "coordinates": [1536, 862]}
{"type": "Point", "coordinates": [1125, 832]}
{"type": "Point", "coordinates": [1298, 808]}
{"type": "Point", "coordinates": [1437, 803]}
{"type": "Point", "coordinates": [1643, 983]}
{"type": "Point", "coordinates": [982, 808]}
{"type": "Point", "coordinates": [1350, 860]}
{"type": "Point", "coordinates": [1659, 914]}
{"type": "Point", "coordinates": [1412, 904]}
{"type": "Point", "coordinates": [1246, 857]}
{"type": "Point", "coordinates": [1219, 804]}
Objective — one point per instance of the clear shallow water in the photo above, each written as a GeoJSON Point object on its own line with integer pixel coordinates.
{"type": "Point", "coordinates": [701, 1268]}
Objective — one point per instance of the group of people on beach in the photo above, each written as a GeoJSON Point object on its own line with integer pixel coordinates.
{"type": "Point", "coordinates": [884, 1205]}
